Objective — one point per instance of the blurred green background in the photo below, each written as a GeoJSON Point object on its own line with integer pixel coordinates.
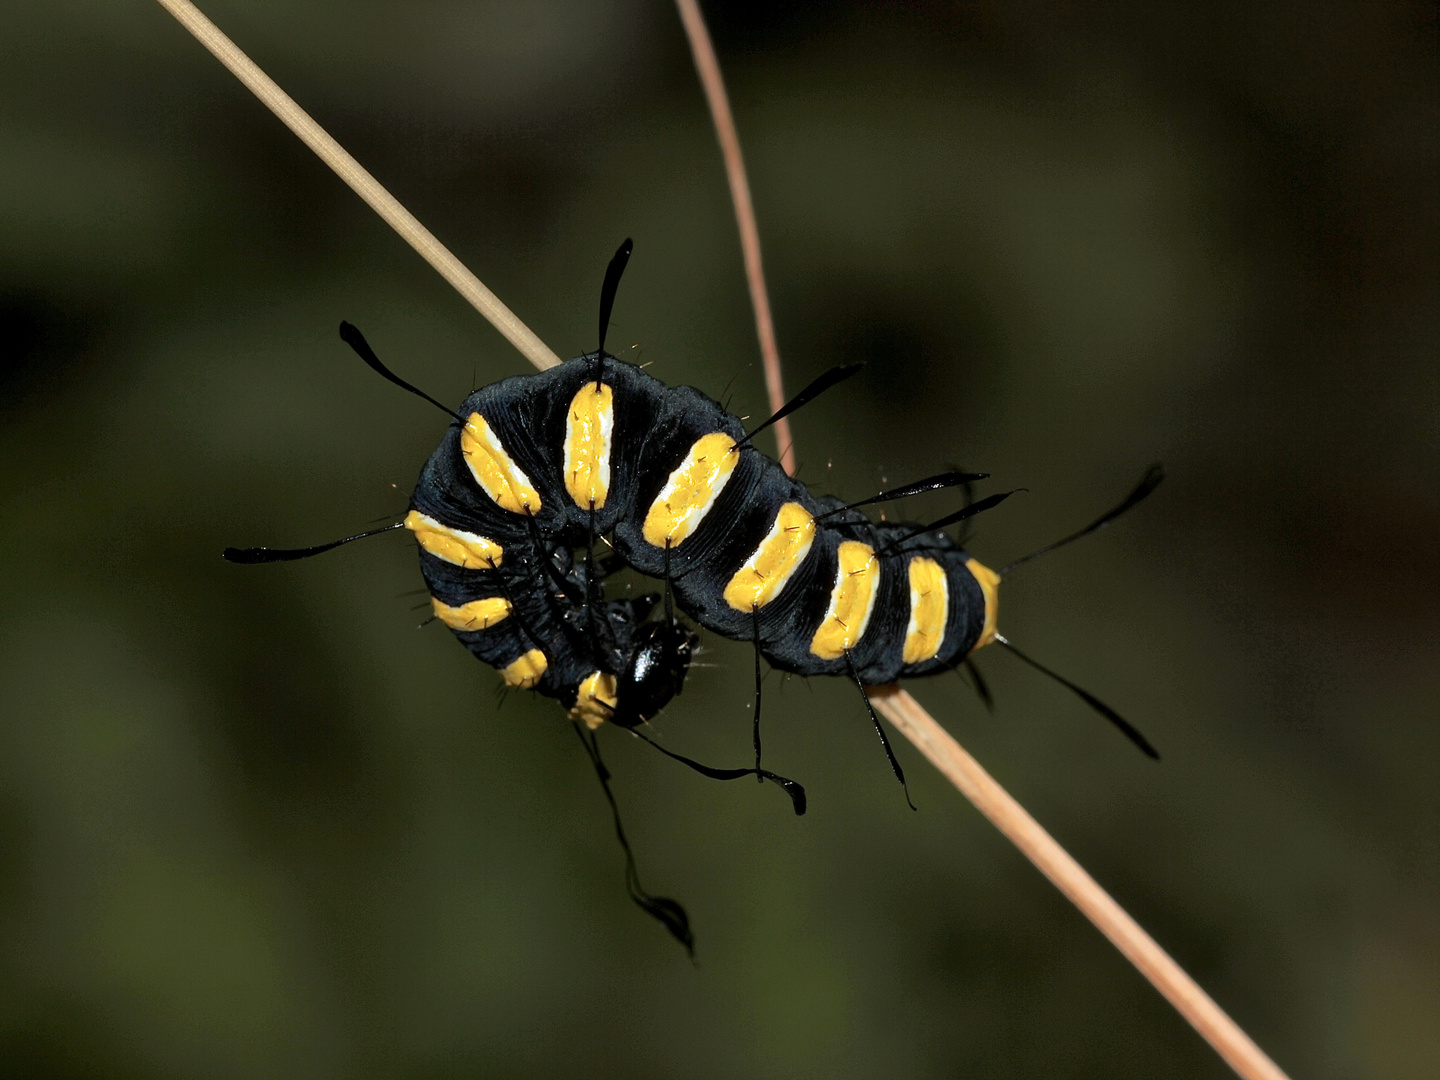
{"type": "Point", "coordinates": [253, 823]}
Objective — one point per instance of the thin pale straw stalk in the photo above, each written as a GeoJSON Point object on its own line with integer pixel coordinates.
{"type": "Point", "coordinates": [908, 716]}
{"type": "Point", "coordinates": [1052, 860]}
{"type": "Point", "coordinates": [714, 84]}
{"type": "Point", "coordinates": [362, 183]}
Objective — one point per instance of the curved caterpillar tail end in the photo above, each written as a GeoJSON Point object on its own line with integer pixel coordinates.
{"type": "Point", "coordinates": [1129, 730]}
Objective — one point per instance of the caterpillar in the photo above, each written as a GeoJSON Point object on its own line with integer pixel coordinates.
{"type": "Point", "coordinates": [544, 464]}
{"type": "Point", "coordinates": [535, 470]}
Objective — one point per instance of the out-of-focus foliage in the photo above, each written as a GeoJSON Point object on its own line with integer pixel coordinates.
{"type": "Point", "coordinates": [253, 824]}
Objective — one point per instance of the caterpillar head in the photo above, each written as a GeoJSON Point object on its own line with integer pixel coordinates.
{"type": "Point", "coordinates": [654, 672]}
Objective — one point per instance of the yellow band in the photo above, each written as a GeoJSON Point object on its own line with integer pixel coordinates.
{"type": "Point", "coordinates": [929, 608]}
{"type": "Point", "coordinates": [589, 427]}
{"type": "Point", "coordinates": [774, 562]}
{"type": "Point", "coordinates": [526, 671]}
{"type": "Point", "coordinates": [691, 490]}
{"type": "Point", "coordinates": [494, 470]}
{"type": "Point", "coordinates": [990, 587]}
{"type": "Point", "coordinates": [851, 601]}
{"type": "Point", "coordinates": [470, 550]}
{"type": "Point", "coordinates": [476, 615]}
{"type": "Point", "coordinates": [595, 703]}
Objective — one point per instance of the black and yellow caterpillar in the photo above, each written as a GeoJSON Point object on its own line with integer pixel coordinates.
{"type": "Point", "coordinates": [541, 465]}
{"type": "Point", "coordinates": [536, 469]}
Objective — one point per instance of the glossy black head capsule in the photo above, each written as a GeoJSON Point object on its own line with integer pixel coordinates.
{"type": "Point", "coordinates": [654, 673]}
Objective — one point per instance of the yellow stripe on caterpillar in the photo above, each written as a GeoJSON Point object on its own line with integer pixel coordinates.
{"type": "Point", "coordinates": [852, 601]}
{"type": "Point", "coordinates": [774, 561]}
{"type": "Point", "coordinates": [990, 588]}
{"type": "Point", "coordinates": [929, 608]}
{"type": "Point", "coordinates": [595, 702]}
{"type": "Point", "coordinates": [589, 429]}
{"type": "Point", "coordinates": [691, 491]}
{"type": "Point", "coordinates": [525, 672]}
{"type": "Point", "coordinates": [470, 550]}
{"type": "Point", "coordinates": [494, 470]}
{"type": "Point", "coordinates": [476, 615]}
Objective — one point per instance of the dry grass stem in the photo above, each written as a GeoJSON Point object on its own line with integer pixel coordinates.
{"type": "Point", "coordinates": [902, 710]}
{"type": "Point", "coordinates": [1007, 815]}
{"type": "Point", "coordinates": [708, 69]}
{"type": "Point", "coordinates": [363, 184]}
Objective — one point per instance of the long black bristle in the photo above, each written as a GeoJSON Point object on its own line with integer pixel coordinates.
{"type": "Point", "coordinates": [884, 741]}
{"type": "Point", "coordinates": [1148, 483]}
{"type": "Point", "coordinates": [351, 335]}
{"type": "Point", "coordinates": [930, 483]}
{"type": "Point", "coordinates": [610, 286]}
{"type": "Point", "coordinates": [1129, 730]}
{"type": "Point", "coordinates": [987, 503]}
{"type": "Point", "coordinates": [790, 787]}
{"type": "Point", "coordinates": [257, 555]}
{"type": "Point", "coordinates": [830, 378]}
{"type": "Point", "coordinates": [669, 913]}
